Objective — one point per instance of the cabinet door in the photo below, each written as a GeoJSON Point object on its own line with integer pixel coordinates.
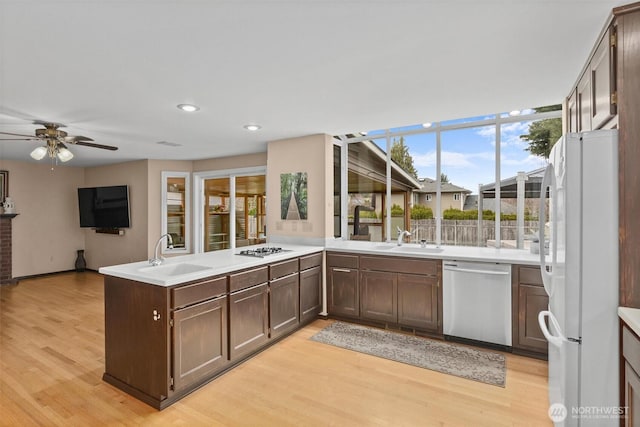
{"type": "Point", "coordinates": [572, 112]}
{"type": "Point", "coordinates": [248, 320]}
{"type": "Point", "coordinates": [631, 396]}
{"type": "Point", "coordinates": [378, 293]}
{"type": "Point", "coordinates": [418, 301]}
{"type": "Point", "coordinates": [310, 293]}
{"type": "Point", "coordinates": [584, 102]}
{"type": "Point", "coordinates": [199, 341]}
{"type": "Point", "coordinates": [531, 301]}
{"type": "Point", "coordinates": [602, 82]}
{"type": "Point", "coordinates": [283, 304]}
{"type": "Point", "coordinates": [343, 292]}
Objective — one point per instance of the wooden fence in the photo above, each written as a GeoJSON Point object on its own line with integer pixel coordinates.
{"type": "Point", "coordinates": [465, 232]}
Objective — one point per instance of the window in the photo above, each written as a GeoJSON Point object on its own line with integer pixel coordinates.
{"type": "Point", "coordinates": [443, 180]}
{"type": "Point", "coordinates": [175, 210]}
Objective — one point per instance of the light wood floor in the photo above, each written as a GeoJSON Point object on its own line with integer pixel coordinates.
{"type": "Point", "coordinates": [52, 360]}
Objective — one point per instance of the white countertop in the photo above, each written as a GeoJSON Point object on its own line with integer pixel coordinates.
{"type": "Point", "coordinates": [204, 265]}
{"type": "Point", "coordinates": [198, 266]}
{"type": "Point", "coordinates": [459, 253]}
{"type": "Point", "coordinates": [631, 317]}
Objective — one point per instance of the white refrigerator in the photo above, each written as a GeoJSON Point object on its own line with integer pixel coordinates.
{"type": "Point", "coordinates": [580, 275]}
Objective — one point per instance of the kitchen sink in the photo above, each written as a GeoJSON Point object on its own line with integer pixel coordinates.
{"type": "Point", "coordinates": [416, 249]}
{"type": "Point", "coordinates": [173, 269]}
{"type": "Point", "coordinates": [384, 247]}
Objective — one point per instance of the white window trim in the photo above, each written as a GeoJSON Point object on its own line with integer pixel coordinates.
{"type": "Point", "coordinates": [165, 175]}
{"type": "Point", "coordinates": [198, 200]}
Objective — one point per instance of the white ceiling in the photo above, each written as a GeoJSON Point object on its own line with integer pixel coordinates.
{"type": "Point", "coordinates": [115, 70]}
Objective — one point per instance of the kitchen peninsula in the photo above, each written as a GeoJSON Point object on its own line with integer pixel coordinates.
{"type": "Point", "coordinates": [170, 329]}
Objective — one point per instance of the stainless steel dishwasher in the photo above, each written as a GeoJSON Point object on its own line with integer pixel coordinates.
{"type": "Point", "coordinates": [477, 301]}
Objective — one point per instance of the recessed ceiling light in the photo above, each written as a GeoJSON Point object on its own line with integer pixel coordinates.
{"type": "Point", "coordinates": [514, 113]}
{"type": "Point", "coordinates": [252, 127]}
{"type": "Point", "coordinates": [426, 125]}
{"type": "Point", "coordinates": [189, 108]}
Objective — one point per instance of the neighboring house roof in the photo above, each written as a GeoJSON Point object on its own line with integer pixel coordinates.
{"type": "Point", "coordinates": [508, 186]}
{"type": "Point", "coordinates": [367, 169]}
{"type": "Point", "coordinates": [428, 185]}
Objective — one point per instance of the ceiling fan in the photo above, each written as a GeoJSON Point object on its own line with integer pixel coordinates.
{"type": "Point", "coordinates": [55, 140]}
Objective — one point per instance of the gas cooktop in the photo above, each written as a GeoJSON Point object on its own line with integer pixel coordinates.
{"type": "Point", "coordinates": [262, 252]}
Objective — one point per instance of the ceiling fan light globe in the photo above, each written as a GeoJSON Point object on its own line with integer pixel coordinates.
{"type": "Point", "coordinates": [39, 153]}
{"type": "Point", "coordinates": [64, 155]}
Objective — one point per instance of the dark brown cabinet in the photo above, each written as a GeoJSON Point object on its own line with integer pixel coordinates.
{"type": "Point", "coordinates": [248, 320]}
{"type": "Point", "coordinates": [163, 342]}
{"type": "Point", "coordinates": [630, 363]}
{"type": "Point", "coordinates": [199, 341]}
{"type": "Point", "coordinates": [378, 296]}
{"type": "Point", "coordinates": [402, 291]}
{"type": "Point", "coordinates": [418, 301]}
{"type": "Point", "coordinates": [284, 297]}
{"type": "Point", "coordinates": [283, 304]}
{"type": "Point", "coordinates": [602, 68]}
{"type": "Point", "coordinates": [342, 287]}
{"type": "Point", "coordinates": [310, 287]}
{"type": "Point", "coordinates": [593, 102]}
{"type": "Point", "coordinates": [398, 291]}
{"type": "Point", "coordinates": [528, 299]}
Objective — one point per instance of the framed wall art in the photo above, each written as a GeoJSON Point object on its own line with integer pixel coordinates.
{"type": "Point", "coordinates": [293, 196]}
{"type": "Point", "coordinates": [4, 185]}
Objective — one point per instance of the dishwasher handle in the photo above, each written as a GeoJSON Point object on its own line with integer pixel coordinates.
{"type": "Point", "coordinates": [454, 267]}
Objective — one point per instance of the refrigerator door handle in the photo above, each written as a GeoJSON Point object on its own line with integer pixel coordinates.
{"type": "Point", "coordinates": [547, 181]}
{"type": "Point", "coordinates": [555, 340]}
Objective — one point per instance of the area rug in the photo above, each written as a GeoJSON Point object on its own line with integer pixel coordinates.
{"type": "Point", "coordinates": [484, 366]}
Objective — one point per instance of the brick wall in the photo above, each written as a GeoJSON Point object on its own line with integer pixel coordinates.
{"type": "Point", "coordinates": [5, 249]}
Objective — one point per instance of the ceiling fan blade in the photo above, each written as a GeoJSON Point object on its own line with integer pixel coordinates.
{"type": "Point", "coordinates": [76, 139]}
{"type": "Point", "coordinates": [90, 144]}
{"type": "Point", "coordinates": [20, 139]}
{"type": "Point", "coordinates": [18, 134]}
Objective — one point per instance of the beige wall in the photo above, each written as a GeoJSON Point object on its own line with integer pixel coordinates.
{"type": "Point", "coordinates": [314, 155]}
{"type": "Point", "coordinates": [46, 232]}
{"type": "Point", "coordinates": [108, 249]}
{"type": "Point", "coordinates": [446, 201]}
{"type": "Point", "coordinates": [233, 162]}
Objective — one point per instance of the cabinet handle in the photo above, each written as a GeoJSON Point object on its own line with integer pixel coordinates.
{"type": "Point", "coordinates": [156, 315]}
{"type": "Point", "coordinates": [342, 270]}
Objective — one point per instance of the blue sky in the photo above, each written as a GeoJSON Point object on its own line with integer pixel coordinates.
{"type": "Point", "coordinates": [468, 155]}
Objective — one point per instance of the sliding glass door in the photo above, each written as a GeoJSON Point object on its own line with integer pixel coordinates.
{"type": "Point", "coordinates": [230, 209]}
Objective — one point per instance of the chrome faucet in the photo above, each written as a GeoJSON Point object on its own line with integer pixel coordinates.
{"type": "Point", "coordinates": [157, 260]}
{"type": "Point", "coordinates": [401, 234]}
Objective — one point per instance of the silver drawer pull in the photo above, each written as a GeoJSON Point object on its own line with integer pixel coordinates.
{"type": "Point", "coordinates": [342, 270]}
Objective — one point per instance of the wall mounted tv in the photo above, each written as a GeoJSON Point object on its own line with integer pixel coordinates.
{"type": "Point", "coordinates": [104, 207]}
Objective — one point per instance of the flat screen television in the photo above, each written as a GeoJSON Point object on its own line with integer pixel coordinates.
{"type": "Point", "coordinates": [104, 207]}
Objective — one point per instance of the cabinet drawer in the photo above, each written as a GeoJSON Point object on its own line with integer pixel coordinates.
{"type": "Point", "coordinates": [399, 265]}
{"type": "Point", "coordinates": [283, 268]}
{"type": "Point", "coordinates": [310, 261]}
{"type": "Point", "coordinates": [631, 348]}
{"type": "Point", "coordinates": [530, 276]}
{"type": "Point", "coordinates": [248, 278]}
{"type": "Point", "coordinates": [197, 292]}
{"type": "Point", "coordinates": [345, 261]}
